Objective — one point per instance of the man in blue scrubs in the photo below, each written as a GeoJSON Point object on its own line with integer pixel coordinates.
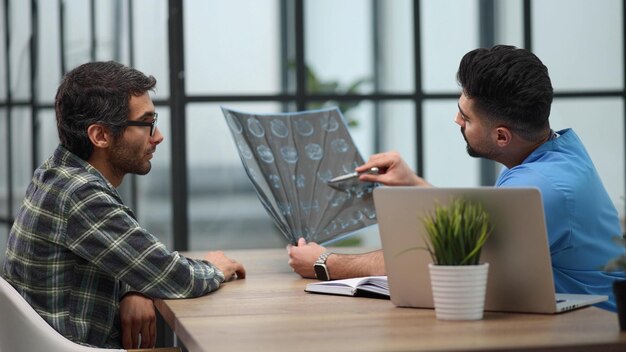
{"type": "Point", "coordinates": [503, 115]}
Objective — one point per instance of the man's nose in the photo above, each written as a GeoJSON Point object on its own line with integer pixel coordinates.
{"type": "Point", "coordinates": [458, 120]}
{"type": "Point", "coordinates": [157, 137]}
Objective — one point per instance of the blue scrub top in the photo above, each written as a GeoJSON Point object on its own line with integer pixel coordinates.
{"type": "Point", "coordinates": [580, 217]}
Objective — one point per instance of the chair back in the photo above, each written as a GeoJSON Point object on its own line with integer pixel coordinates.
{"type": "Point", "coordinates": [23, 329]}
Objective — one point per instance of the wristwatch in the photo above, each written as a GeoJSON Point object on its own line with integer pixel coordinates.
{"type": "Point", "coordinates": [320, 268]}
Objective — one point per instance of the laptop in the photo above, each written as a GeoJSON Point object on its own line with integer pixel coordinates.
{"type": "Point", "coordinates": [520, 271]}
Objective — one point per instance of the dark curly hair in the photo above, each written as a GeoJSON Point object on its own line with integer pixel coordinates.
{"type": "Point", "coordinates": [510, 86]}
{"type": "Point", "coordinates": [96, 92]}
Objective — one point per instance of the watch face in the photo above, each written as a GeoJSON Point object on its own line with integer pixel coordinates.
{"type": "Point", "coordinates": [321, 272]}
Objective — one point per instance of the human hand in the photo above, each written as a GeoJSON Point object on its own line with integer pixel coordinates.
{"type": "Point", "coordinates": [303, 256]}
{"type": "Point", "coordinates": [138, 318]}
{"type": "Point", "coordinates": [393, 171]}
{"type": "Point", "coordinates": [230, 267]}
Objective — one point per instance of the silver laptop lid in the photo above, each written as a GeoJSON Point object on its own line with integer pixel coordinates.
{"type": "Point", "coordinates": [520, 272]}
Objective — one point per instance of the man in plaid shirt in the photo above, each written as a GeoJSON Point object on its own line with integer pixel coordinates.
{"type": "Point", "coordinates": [75, 252]}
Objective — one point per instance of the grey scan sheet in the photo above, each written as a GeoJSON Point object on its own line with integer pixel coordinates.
{"type": "Point", "coordinates": [289, 158]}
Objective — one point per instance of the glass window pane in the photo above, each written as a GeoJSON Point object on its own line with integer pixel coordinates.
{"type": "Point", "coordinates": [154, 190]}
{"type": "Point", "coordinates": [19, 49]}
{"type": "Point", "coordinates": [150, 45]}
{"type": "Point", "coordinates": [4, 165]}
{"type": "Point", "coordinates": [339, 44]}
{"type": "Point", "coordinates": [232, 47]}
{"type": "Point", "coordinates": [49, 61]}
{"type": "Point", "coordinates": [581, 42]}
{"type": "Point", "coordinates": [121, 27]}
{"type": "Point", "coordinates": [449, 30]}
{"type": "Point", "coordinates": [3, 59]}
{"type": "Point", "coordinates": [397, 52]}
{"type": "Point", "coordinates": [111, 28]}
{"type": "Point", "coordinates": [48, 138]}
{"type": "Point", "coordinates": [77, 34]}
{"type": "Point", "coordinates": [21, 167]}
{"type": "Point", "coordinates": [397, 130]}
{"type": "Point", "coordinates": [599, 122]}
{"type": "Point", "coordinates": [224, 211]}
{"type": "Point", "coordinates": [446, 161]}
{"type": "Point", "coordinates": [509, 22]}
{"type": "Point", "coordinates": [362, 129]}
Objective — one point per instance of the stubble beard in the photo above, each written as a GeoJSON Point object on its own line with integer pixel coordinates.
{"type": "Point", "coordinates": [128, 159]}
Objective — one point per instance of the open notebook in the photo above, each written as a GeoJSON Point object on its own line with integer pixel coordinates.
{"type": "Point", "coordinates": [352, 287]}
{"type": "Point", "coordinates": [520, 271]}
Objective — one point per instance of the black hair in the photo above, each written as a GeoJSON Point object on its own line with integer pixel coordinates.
{"type": "Point", "coordinates": [509, 85]}
{"type": "Point", "coordinates": [96, 92]}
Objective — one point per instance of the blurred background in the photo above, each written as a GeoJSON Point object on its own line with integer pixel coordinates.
{"type": "Point", "coordinates": [389, 65]}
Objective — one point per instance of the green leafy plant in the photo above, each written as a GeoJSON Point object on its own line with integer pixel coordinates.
{"type": "Point", "coordinates": [457, 233]}
{"type": "Point", "coordinates": [618, 263]}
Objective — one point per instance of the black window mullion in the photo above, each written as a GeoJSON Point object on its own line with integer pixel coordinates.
{"type": "Point", "coordinates": [419, 94]}
{"type": "Point", "coordinates": [62, 36]}
{"type": "Point", "coordinates": [92, 25]}
{"type": "Point", "coordinates": [624, 82]}
{"type": "Point", "coordinates": [285, 15]}
{"type": "Point", "coordinates": [528, 40]}
{"type": "Point", "coordinates": [134, 192]}
{"type": "Point", "coordinates": [9, 108]}
{"type": "Point", "coordinates": [301, 92]}
{"type": "Point", "coordinates": [34, 101]}
{"type": "Point", "coordinates": [178, 125]}
{"type": "Point", "coordinates": [377, 8]}
{"type": "Point", "coordinates": [487, 39]}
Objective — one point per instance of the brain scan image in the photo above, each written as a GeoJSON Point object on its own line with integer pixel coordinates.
{"type": "Point", "coordinates": [314, 151]}
{"type": "Point", "coordinates": [330, 124]}
{"type": "Point", "coordinates": [275, 181]}
{"type": "Point", "coordinates": [325, 175]}
{"type": "Point", "coordinates": [279, 128]}
{"type": "Point", "coordinates": [265, 153]}
{"type": "Point", "coordinates": [234, 123]}
{"type": "Point", "coordinates": [299, 180]}
{"type": "Point", "coordinates": [244, 149]}
{"type": "Point", "coordinates": [256, 128]}
{"type": "Point", "coordinates": [304, 128]}
{"type": "Point", "coordinates": [289, 154]}
{"type": "Point", "coordinates": [339, 145]}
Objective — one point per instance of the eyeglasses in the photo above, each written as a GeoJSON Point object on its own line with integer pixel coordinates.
{"type": "Point", "coordinates": [152, 124]}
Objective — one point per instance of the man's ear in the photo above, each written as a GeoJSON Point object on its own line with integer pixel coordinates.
{"type": "Point", "coordinates": [99, 135]}
{"type": "Point", "coordinates": [504, 136]}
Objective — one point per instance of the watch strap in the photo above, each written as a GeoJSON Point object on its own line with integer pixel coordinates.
{"type": "Point", "coordinates": [323, 258]}
{"type": "Point", "coordinates": [320, 268]}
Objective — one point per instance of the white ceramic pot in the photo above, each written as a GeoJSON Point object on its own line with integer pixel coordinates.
{"type": "Point", "coordinates": [459, 290]}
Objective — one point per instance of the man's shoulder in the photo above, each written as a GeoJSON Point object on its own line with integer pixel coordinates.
{"type": "Point", "coordinates": [66, 170]}
{"type": "Point", "coordinates": [67, 177]}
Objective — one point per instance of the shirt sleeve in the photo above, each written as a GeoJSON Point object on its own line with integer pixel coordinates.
{"type": "Point", "coordinates": [556, 208]}
{"type": "Point", "coordinates": [103, 231]}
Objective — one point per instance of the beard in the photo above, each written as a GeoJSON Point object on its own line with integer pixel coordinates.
{"type": "Point", "coordinates": [470, 150]}
{"type": "Point", "coordinates": [127, 158]}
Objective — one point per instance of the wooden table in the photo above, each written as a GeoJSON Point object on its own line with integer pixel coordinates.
{"type": "Point", "coordinates": [269, 311]}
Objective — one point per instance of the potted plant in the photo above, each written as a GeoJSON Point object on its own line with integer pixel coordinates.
{"type": "Point", "coordinates": [455, 236]}
{"type": "Point", "coordinates": [619, 286]}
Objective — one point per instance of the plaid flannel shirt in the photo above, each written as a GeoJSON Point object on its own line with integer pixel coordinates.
{"type": "Point", "coordinates": [75, 249]}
